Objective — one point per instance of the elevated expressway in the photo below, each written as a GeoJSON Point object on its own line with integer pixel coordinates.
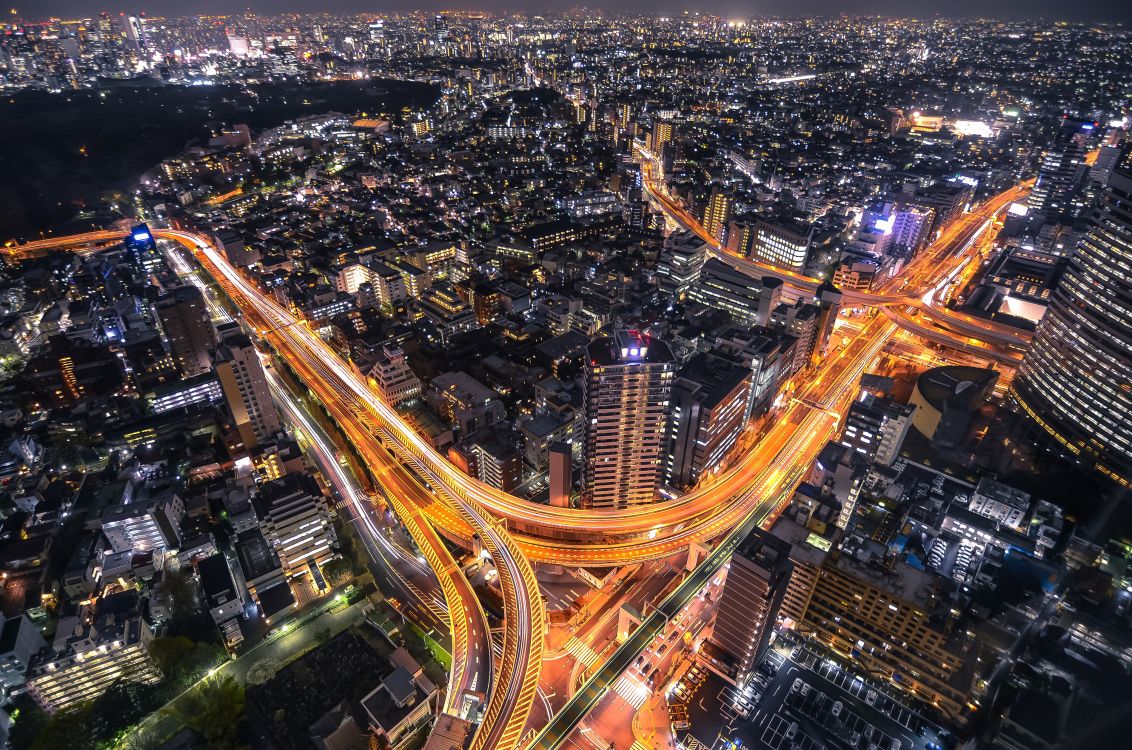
{"type": "Point", "coordinates": [361, 416]}
{"type": "Point", "coordinates": [515, 531]}
{"type": "Point", "coordinates": [965, 332]}
{"type": "Point", "coordinates": [572, 536]}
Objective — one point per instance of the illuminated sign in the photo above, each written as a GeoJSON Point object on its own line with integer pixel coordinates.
{"type": "Point", "coordinates": [1018, 209]}
{"type": "Point", "coordinates": [883, 225]}
{"type": "Point", "coordinates": [142, 237]}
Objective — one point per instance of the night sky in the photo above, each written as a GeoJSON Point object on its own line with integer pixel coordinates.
{"type": "Point", "coordinates": [1079, 10]}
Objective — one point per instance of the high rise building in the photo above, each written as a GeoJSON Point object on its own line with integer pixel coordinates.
{"type": "Point", "coordinates": [876, 427]}
{"type": "Point", "coordinates": [245, 388]}
{"type": "Point", "coordinates": [680, 262]}
{"type": "Point", "coordinates": [662, 132]}
{"type": "Point", "coordinates": [757, 579]}
{"type": "Point", "coordinates": [710, 396]}
{"type": "Point", "coordinates": [184, 318]}
{"type": "Point", "coordinates": [628, 385]}
{"type": "Point", "coordinates": [1076, 379]}
{"type": "Point", "coordinates": [717, 213]}
{"type": "Point", "coordinates": [1062, 171]}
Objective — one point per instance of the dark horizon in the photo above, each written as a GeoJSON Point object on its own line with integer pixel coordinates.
{"type": "Point", "coordinates": [1112, 11]}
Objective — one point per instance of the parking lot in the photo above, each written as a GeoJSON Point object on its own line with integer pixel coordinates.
{"type": "Point", "coordinates": [802, 701]}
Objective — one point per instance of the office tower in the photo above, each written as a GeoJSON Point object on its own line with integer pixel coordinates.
{"type": "Point", "coordinates": [184, 318]}
{"type": "Point", "coordinates": [1062, 171]}
{"type": "Point", "coordinates": [1074, 380]}
{"type": "Point", "coordinates": [679, 264]}
{"type": "Point", "coordinates": [1107, 159]}
{"type": "Point", "coordinates": [627, 387]}
{"type": "Point", "coordinates": [295, 519]}
{"type": "Point", "coordinates": [717, 213]}
{"type": "Point", "coordinates": [747, 299]}
{"type": "Point", "coordinates": [783, 244]}
{"type": "Point", "coordinates": [710, 396]}
{"type": "Point", "coordinates": [757, 579]}
{"type": "Point", "coordinates": [876, 427]}
{"type": "Point", "coordinates": [440, 28]}
{"type": "Point", "coordinates": [143, 249]}
{"type": "Point", "coordinates": [245, 387]}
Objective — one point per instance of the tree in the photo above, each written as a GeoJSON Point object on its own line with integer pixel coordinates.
{"type": "Point", "coordinates": [182, 593]}
{"type": "Point", "coordinates": [168, 651]}
{"type": "Point", "coordinates": [215, 710]}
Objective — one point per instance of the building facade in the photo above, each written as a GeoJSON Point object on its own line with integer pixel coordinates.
{"type": "Point", "coordinates": [1074, 380]}
{"type": "Point", "coordinates": [628, 385]}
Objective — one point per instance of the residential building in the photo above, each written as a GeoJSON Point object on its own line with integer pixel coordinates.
{"type": "Point", "coordinates": [876, 427]}
{"type": "Point", "coordinates": [757, 579]}
{"type": "Point", "coordinates": [710, 396]}
{"type": "Point", "coordinates": [86, 658]}
{"type": "Point", "coordinates": [717, 213]}
{"type": "Point", "coordinates": [395, 381]}
{"type": "Point", "coordinates": [295, 518]}
{"type": "Point", "coordinates": [146, 525]}
{"type": "Point", "coordinates": [245, 387]}
{"type": "Point", "coordinates": [628, 386]}
{"type": "Point", "coordinates": [464, 403]}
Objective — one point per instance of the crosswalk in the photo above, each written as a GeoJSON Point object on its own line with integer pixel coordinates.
{"type": "Point", "coordinates": [631, 690]}
{"type": "Point", "coordinates": [581, 651]}
{"type": "Point", "coordinates": [638, 745]}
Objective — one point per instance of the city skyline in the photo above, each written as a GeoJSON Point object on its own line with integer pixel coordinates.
{"type": "Point", "coordinates": [1090, 10]}
{"type": "Point", "coordinates": [624, 382]}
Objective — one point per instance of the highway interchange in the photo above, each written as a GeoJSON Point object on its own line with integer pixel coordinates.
{"type": "Point", "coordinates": [431, 497]}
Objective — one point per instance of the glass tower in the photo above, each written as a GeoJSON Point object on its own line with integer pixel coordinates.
{"type": "Point", "coordinates": [1076, 380]}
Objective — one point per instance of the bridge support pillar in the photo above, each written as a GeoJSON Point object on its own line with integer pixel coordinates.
{"type": "Point", "coordinates": [696, 552]}
{"type": "Point", "coordinates": [628, 620]}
